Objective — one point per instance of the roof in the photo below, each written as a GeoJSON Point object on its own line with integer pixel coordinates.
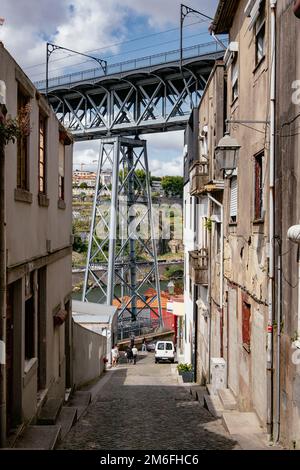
{"type": "Point", "coordinates": [89, 312]}
{"type": "Point", "coordinates": [224, 16]}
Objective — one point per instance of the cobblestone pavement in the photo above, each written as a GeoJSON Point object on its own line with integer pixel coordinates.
{"type": "Point", "coordinates": [143, 407]}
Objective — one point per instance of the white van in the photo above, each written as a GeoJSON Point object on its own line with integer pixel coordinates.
{"type": "Point", "coordinates": [164, 351]}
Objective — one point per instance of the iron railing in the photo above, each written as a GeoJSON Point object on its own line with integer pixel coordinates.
{"type": "Point", "coordinates": [142, 62]}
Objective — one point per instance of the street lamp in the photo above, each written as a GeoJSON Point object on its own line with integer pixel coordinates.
{"type": "Point", "coordinates": [227, 152]}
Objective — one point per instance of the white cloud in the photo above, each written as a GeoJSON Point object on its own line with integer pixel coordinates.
{"type": "Point", "coordinates": [173, 167]}
{"type": "Point", "coordinates": [161, 13]}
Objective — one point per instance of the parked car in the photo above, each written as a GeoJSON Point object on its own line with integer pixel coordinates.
{"type": "Point", "coordinates": [151, 346]}
{"type": "Point", "coordinates": [164, 351]}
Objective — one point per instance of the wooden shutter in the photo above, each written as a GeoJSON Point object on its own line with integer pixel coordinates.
{"type": "Point", "coordinates": [233, 197]}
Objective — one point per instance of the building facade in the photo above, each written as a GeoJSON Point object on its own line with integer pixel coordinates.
{"type": "Point", "coordinates": [229, 263]}
{"type": "Point", "coordinates": [38, 218]}
{"type": "Point", "coordinates": [287, 390]}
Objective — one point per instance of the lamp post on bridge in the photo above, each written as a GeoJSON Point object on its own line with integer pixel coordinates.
{"type": "Point", "coordinates": [184, 12]}
{"type": "Point", "coordinates": [53, 47]}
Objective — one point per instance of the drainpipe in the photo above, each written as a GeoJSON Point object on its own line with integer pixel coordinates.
{"type": "Point", "coordinates": [273, 4]}
{"type": "Point", "coordinates": [211, 198]}
{"type": "Point", "coordinates": [2, 291]}
{"type": "Point", "coordinates": [294, 236]}
{"type": "Point", "coordinates": [278, 352]}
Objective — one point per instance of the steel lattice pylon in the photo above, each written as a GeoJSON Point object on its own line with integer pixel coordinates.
{"type": "Point", "coordinates": [122, 244]}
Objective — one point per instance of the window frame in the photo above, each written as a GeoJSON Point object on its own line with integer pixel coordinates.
{"type": "Point", "coordinates": [61, 178]}
{"type": "Point", "coordinates": [23, 99]}
{"type": "Point", "coordinates": [233, 218]}
{"type": "Point", "coordinates": [235, 79]}
{"type": "Point", "coordinates": [259, 186]}
{"type": "Point", "coordinates": [43, 118]}
{"type": "Point", "coordinates": [260, 33]}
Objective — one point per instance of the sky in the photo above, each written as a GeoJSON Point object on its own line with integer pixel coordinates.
{"type": "Point", "coordinates": [116, 30]}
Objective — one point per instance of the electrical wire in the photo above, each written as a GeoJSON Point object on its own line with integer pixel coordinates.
{"type": "Point", "coordinates": [119, 43]}
{"type": "Point", "coordinates": [116, 55]}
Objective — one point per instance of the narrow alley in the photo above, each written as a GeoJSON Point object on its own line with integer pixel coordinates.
{"type": "Point", "coordinates": [144, 407]}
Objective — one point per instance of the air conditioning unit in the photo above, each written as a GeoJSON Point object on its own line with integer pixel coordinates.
{"type": "Point", "coordinates": [231, 50]}
{"type": "Point", "coordinates": [218, 373]}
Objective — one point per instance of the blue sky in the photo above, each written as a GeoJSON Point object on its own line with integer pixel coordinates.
{"type": "Point", "coordinates": [99, 27]}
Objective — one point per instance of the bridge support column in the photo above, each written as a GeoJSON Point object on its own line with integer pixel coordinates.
{"type": "Point", "coordinates": [122, 257]}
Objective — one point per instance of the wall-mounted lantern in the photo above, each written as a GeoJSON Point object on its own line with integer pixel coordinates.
{"type": "Point", "coordinates": [227, 152]}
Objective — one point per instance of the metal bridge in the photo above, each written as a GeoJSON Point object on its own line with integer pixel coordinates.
{"type": "Point", "coordinates": [145, 95]}
{"type": "Point", "coordinates": [150, 94]}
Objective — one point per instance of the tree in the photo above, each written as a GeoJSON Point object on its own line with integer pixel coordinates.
{"type": "Point", "coordinates": [172, 185]}
{"type": "Point", "coordinates": [83, 186]}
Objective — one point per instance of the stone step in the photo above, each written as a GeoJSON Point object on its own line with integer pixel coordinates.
{"type": "Point", "coordinates": [67, 418]}
{"type": "Point", "coordinates": [227, 399]}
{"type": "Point", "coordinates": [198, 392]}
{"type": "Point", "coordinates": [237, 422]}
{"type": "Point", "coordinates": [39, 437]}
{"type": "Point", "coordinates": [81, 398]}
{"type": "Point", "coordinates": [50, 411]}
{"type": "Point", "coordinates": [213, 404]}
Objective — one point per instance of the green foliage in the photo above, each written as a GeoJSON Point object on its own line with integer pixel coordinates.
{"type": "Point", "coordinates": [172, 272]}
{"type": "Point", "coordinates": [79, 246]}
{"type": "Point", "coordinates": [172, 185]}
{"type": "Point", "coordinates": [208, 225]}
{"type": "Point", "coordinates": [13, 129]}
{"type": "Point", "coordinates": [83, 186]}
{"type": "Point", "coordinates": [185, 368]}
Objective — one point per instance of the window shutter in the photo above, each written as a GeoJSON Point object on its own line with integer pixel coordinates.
{"type": "Point", "coordinates": [233, 196]}
{"type": "Point", "coordinates": [254, 14]}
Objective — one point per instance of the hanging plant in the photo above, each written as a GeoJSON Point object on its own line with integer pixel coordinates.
{"type": "Point", "coordinates": [208, 224]}
{"type": "Point", "coordinates": [13, 129]}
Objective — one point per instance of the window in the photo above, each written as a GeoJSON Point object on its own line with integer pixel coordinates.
{"type": "Point", "coordinates": [61, 172]}
{"type": "Point", "coordinates": [260, 33]}
{"type": "Point", "coordinates": [233, 199]}
{"type": "Point", "coordinates": [42, 153]}
{"type": "Point", "coordinates": [258, 187]}
{"type": "Point", "coordinates": [246, 314]}
{"type": "Point", "coordinates": [235, 79]}
{"type": "Point", "coordinates": [22, 149]}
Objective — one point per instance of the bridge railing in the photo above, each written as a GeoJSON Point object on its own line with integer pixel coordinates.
{"type": "Point", "coordinates": [149, 61]}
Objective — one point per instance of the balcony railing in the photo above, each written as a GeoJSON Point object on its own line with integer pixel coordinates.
{"type": "Point", "coordinates": [198, 262]}
{"type": "Point", "coordinates": [199, 177]}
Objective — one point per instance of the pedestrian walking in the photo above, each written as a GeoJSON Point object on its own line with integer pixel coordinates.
{"type": "Point", "coordinates": [144, 345]}
{"type": "Point", "coordinates": [129, 355]}
{"type": "Point", "coordinates": [115, 355]}
{"type": "Point", "coordinates": [134, 353]}
{"type": "Point", "coordinates": [132, 338]}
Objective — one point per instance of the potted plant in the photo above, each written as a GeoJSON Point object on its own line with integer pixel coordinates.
{"type": "Point", "coordinates": [186, 372]}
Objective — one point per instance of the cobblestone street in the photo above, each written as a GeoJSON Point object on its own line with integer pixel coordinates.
{"type": "Point", "coordinates": [144, 407]}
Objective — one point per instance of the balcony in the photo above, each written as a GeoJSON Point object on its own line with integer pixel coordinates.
{"type": "Point", "coordinates": [199, 177]}
{"type": "Point", "coordinates": [199, 266]}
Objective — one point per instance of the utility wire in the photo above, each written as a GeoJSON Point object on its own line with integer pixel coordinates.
{"type": "Point", "coordinates": [119, 43]}
{"type": "Point", "coordinates": [116, 55]}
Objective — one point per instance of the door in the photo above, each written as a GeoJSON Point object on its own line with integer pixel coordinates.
{"type": "Point", "coordinates": [233, 365]}
{"type": "Point", "coordinates": [9, 359]}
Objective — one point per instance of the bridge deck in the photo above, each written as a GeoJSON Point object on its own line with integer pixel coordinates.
{"type": "Point", "coordinates": [211, 49]}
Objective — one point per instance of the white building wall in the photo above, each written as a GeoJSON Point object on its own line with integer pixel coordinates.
{"type": "Point", "coordinates": [189, 238]}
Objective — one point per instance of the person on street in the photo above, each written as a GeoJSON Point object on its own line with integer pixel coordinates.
{"type": "Point", "coordinates": [129, 354]}
{"type": "Point", "coordinates": [134, 352]}
{"type": "Point", "coordinates": [115, 356]}
{"type": "Point", "coordinates": [144, 345]}
{"type": "Point", "coordinates": [132, 338]}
